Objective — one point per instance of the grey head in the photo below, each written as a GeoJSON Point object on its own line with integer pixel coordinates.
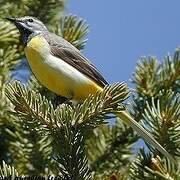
{"type": "Point", "coordinates": [28, 27]}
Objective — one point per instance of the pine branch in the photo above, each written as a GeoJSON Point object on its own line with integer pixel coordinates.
{"type": "Point", "coordinates": [8, 58]}
{"type": "Point", "coordinates": [29, 146]}
{"type": "Point", "coordinates": [30, 105]}
{"type": "Point", "coordinates": [108, 145]}
{"type": "Point", "coordinates": [64, 142]}
{"type": "Point", "coordinates": [30, 151]}
{"type": "Point", "coordinates": [74, 30]}
{"type": "Point", "coordinates": [67, 125]}
{"type": "Point", "coordinates": [7, 171]}
{"type": "Point", "coordinates": [50, 9]}
{"type": "Point", "coordinates": [116, 175]}
{"type": "Point", "coordinates": [157, 104]}
{"type": "Point", "coordinates": [8, 34]}
{"type": "Point", "coordinates": [162, 120]}
{"type": "Point", "coordinates": [44, 10]}
{"type": "Point", "coordinates": [147, 167]}
{"type": "Point", "coordinates": [145, 76]}
{"type": "Point", "coordinates": [151, 77]}
{"type": "Point", "coordinates": [169, 75]}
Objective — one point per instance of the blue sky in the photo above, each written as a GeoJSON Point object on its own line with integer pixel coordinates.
{"type": "Point", "coordinates": [122, 31]}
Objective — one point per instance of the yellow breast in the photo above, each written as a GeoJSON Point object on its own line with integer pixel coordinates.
{"type": "Point", "coordinates": [55, 74]}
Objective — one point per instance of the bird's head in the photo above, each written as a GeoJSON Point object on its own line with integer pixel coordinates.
{"type": "Point", "coordinates": [28, 27]}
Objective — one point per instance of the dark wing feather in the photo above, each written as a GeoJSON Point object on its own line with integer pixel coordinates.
{"type": "Point", "coordinates": [67, 52]}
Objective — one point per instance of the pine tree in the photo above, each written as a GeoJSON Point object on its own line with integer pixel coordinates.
{"type": "Point", "coordinates": [41, 135]}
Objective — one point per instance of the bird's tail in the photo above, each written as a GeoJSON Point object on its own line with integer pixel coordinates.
{"type": "Point", "coordinates": [123, 115]}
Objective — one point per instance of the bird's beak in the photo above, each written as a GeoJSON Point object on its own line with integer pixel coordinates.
{"type": "Point", "coordinates": [17, 22]}
{"type": "Point", "coordinates": [11, 19]}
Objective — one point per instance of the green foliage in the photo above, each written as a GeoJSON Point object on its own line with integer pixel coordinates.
{"type": "Point", "coordinates": [8, 34]}
{"type": "Point", "coordinates": [162, 116]}
{"type": "Point", "coordinates": [74, 29]}
{"type": "Point", "coordinates": [148, 167]}
{"type": "Point", "coordinates": [157, 105]}
{"type": "Point", "coordinates": [110, 148]}
{"type": "Point", "coordinates": [7, 171]}
{"type": "Point", "coordinates": [44, 10]}
{"type": "Point", "coordinates": [42, 136]}
{"type": "Point", "coordinates": [67, 125]}
{"type": "Point", "coordinates": [151, 77]}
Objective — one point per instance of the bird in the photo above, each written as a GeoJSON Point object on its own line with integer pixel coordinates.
{"type": "Point", "coordinates": [64, 70]}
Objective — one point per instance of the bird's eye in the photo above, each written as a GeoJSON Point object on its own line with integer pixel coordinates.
{"type": "Point", "coordinates": [30, 20]}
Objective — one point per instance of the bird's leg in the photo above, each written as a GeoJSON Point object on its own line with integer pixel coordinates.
{"type": "Point", "coordinates": [68, 101]}
{"type": "Point", "coordinates": [59, 100]}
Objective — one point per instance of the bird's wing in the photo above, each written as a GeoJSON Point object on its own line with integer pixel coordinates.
{"type": "Point", "coordinates": [71, 55]}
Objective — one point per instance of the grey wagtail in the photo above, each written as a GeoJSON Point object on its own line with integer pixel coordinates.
{"type": "Point", "coordinates": [62, 68]}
